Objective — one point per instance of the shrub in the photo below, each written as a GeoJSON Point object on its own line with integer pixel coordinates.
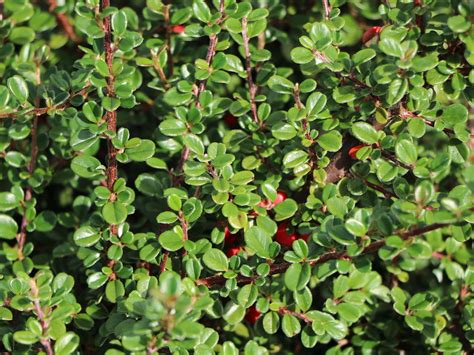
{"type": "Point", "coordinates": [222, 176]}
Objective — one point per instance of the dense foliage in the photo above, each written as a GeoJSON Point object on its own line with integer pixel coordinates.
{"type": "Point", "coordinates": [265, 176]}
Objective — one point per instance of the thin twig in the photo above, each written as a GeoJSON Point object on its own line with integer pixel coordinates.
{"type": "Point", "coordinates": [211, 51]}
{"type": "Point", "coordinates": [219, 280]}
{"type": "Point", "coordinates": [327, 9]}
{"type": "Point", "coordinates": [45, 341]}
{"type": "Point", "coordinates": [64, 22]}
{"type": "Point", "coordinates": [248, 69]}
{"type": "Point", "coordinates": [110, 116]}
{"type": "Point", "coordinates": [166, 14]}
{"type": "Point", "coordinates": [40, 111]}
{"type": "Point", "coordinates": [301, 316]}
{"type": "Point", "coordinates": [394, 160]}
{"type": "Point", "coordinates": [21, 238]}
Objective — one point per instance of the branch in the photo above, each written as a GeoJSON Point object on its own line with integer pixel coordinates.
{"type": "Point", "coordinates": [46, 342]}
{"type": "Point", "coordinates": [248, 69]}
{"type": "Point", "coordinates": [40, 111]}
{"type": "Point", "coordinates": [211, 51]}
{"type": "Point", "coordinates": [64, 22]}
{"type": "Point", "coordinates": [219, 280]}
{"type": "Point", "coordinates": [110, 116]}
{"type": "Point", "coordinates": [166, 14]}
{"type": "Point", "coordinates": [301, 316]}
{"type": "Point", "coordinates": [327, 9]}
{"type": "Point", "coordinates": [395, 160]}
{"type": "Point", "coordinates": [21, 238]}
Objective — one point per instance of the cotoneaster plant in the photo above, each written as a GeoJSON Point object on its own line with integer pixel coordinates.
{"type": "Point", "coordinates": [222, 176]}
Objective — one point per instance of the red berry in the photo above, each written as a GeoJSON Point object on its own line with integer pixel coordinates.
{"type": "Point", "coordinates": [232, 251]}
{"type": "Point", "coordinates": [231, 120]}
{"type": "Point", "coordinates": [178, 29]}
{"type": "Point", "coordinates": [353, 151]}
{"type": "Point", "coordinates": [371, 33]}
{"type": "Point", "coordinates": [281, 196]}
{"type": "Point", "coordinates": [252, 315]}
{"type": "Point", "coordinates": [229, 238]}
{"type": "Point", "coordinates": [282, 236]}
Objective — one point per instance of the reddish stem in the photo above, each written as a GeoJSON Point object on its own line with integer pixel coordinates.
{"type": "Point", "coordinates": [248, 69]}
{"type": "Point", "coordinates": [219, 280]}
{"type": "Point", "coordinates": [110, 116]}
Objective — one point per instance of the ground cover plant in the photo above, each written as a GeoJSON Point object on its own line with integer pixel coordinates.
{"type": "Point", "coordinates": [267, 176]}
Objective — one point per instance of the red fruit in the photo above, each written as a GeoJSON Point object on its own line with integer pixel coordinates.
{"type": "Point", "coordinates": [252, 315]}
{"type": "Point", "coordinates": [371, 33]}
{"type": "Point", "coordinates": [231, 120]}
{"type": "Point", "coordinates": [232, 251]}
{"type": "Point", "coordinates": [353, 151]}
{"type": "Point", "coordinates": [178, 29]}
{"type": "Point", "coordinates": [229, 238]}
{"type": "Point", "coordinates": [281, 196]}
{"type": "Point", "coordinates": [282, 236]}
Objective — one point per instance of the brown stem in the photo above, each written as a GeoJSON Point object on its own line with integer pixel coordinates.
{"type": "Point", "coordinates": [327, 9]}
{"type": "Point", "coordinates": [166, 14]}
{"type": "Point", "coordinates": [219, 280]}
{"type": "Point", "coordinates": [64, 22]}
{"type": "Point", "coordinates": [110, 116]}
{"type": "Point", "coordinates": [21, 238]}
{"type": "Point", "coordinates": [395, 160]}
{"type": "Point", "coordinates": [164, 260]}
{"type": "Point", "coordinates": [211, 52]}
{"type": "Point", "coordinates": [40, 111]}
{"type": "Point", "coordinates": [46, 342]}
{"type": "Point", "coordinates": [301, 316]}
{"type": "Point", "coordinates": [248, 69]}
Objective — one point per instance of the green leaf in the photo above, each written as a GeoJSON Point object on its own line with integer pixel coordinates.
{"type": "Point", "coordinates": [66, 344]}
{"type": "Point", "coordinates": [257, 240]}
{"type": "Point", "coordinates": [8, 227]}
{"type": "Point", "coordinates": [297, 276]}
{"type": "Point", "coordinates": [280, 85]}
{"type": "Point", "coordinates": [201, 10]}
{"type": "Point", "coordinates": [215, 260]}
{"type": "Point", "coordinates": [290, 325]}
{"type": "Point", "coordinates": [86, 236]}
{"type": "Point", "coordinates": [406, 152]}
{"type": "Point", "coordinates": [365, 132]}
{"type": "Point", "coordinates": [391, 47]}
{"type": "Point", "coordinates": [86, 166]}
{"type": "Point", "coordinates": [295, 158]}
{"type": "Point", "coordinates": [349, 312]}
{"type": "Point", "coordinates": [141, 152]}
{"type": "Point", "coordinates": [119, 22]}
{"type": "Point", "coordinates": [8, 201]}
{"type": "Point", "coordinates": [114, 212]}
{"type": "Point", "coordinates": [362, 56]}
{"type": "Point", "coordinates": [454, 114]}
{"type": "Point", "coordinates": [171, 241]}
{"type": "Point", "coordinates": [271, 322]}
{"type": "Point", "coordinates": [331, 141]}
{"type": "Point", "coordinates": [114, 290]}
{"type": "Point", "coordinates": [194, 143]}
{"type": "Point", "coordinates": [301, 55]}
{"type": "Point", "coordinates": [396, 91]}
{"type": "Point", "coordinates": [286, 209]}
{"type": "Point", "coordinates": [233, 313]}
{"type": "Point", "coordinates": [19, 88]}
{"type": "Point", "coordinates": [25, 337]}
